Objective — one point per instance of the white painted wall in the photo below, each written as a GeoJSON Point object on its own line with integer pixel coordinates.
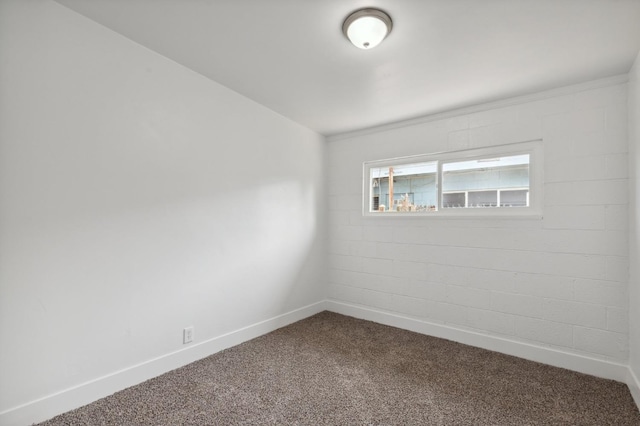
{"type": "Point", "coordinates": [137, 198]}
{"type": "Point", "coordinates": [558, 283]}
{"type": "Point", "coordinates": [634, 227]}
{"type": "Point", "coordinates": [120, 224]}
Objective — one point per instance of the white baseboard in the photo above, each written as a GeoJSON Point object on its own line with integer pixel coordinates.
{"type": "Point", "coordinates": [544, 355]}
{"type": "Point", "coordinates": [634, 386]}
{"type": "Point", "coordinates": [85, 393]}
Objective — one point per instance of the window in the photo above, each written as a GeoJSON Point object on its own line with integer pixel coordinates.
{"type": "Point", "coordinates": [486, 182]}
{"type": "Point", "coordinates": [404, 188]}
{"type": "Point", "coordinates": [500, 180]}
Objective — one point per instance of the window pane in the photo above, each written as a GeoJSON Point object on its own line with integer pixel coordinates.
{"type": "Point", "coordinates": [482, 180]}
{"type": "Point", "coordinates": [412, 188]}
{"type": "Point", "coordinates": [483, 199]}
{"type": "Point", "coordinates": [514, 198]}
{"type": "Point", "coordinates": [454, 199]}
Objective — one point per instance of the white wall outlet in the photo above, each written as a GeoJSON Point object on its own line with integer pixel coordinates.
{"type": "Point", "coordinates": [187, 335]}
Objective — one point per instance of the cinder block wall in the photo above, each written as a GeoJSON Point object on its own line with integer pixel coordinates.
{"type": "Point", "coordinates": [558, 282]}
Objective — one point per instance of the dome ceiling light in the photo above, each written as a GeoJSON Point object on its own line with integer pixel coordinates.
{"type": "Point", "coordinates": [366, 28]}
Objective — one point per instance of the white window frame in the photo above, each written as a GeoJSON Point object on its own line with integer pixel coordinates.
{"type": "Point", "coordinates": [536, 182]}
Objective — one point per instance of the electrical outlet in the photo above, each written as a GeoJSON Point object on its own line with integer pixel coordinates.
{"type": "Point", "coordinates": [187, 335]}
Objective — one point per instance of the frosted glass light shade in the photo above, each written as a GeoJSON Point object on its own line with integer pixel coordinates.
{"type": "Point", "coordinates": [366, 28]}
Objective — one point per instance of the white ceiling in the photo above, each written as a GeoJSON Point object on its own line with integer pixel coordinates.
{"type": "Point", "coordinates": [291, 55]}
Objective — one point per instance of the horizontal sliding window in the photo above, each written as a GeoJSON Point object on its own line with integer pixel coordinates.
{"type": "Point", "coordinates": [500, 180]}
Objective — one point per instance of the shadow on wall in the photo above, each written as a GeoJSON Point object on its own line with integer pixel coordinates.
{"type": "Point", "coordinates": [127, 283]}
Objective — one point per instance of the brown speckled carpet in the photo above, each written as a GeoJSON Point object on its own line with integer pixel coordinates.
{"type": "Point", "coordinates": [335, 370]}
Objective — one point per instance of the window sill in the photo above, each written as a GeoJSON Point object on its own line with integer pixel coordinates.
{"type": "Point", "coordinates": [462, 214]}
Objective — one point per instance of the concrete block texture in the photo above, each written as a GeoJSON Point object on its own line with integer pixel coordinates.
{"type": "Point", "coordinates": [557, 281]}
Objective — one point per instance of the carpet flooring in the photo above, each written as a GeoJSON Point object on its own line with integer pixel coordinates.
{"type": "Point", "coordinates": [330, 369]}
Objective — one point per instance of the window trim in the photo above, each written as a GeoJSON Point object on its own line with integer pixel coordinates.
{"type": "Point", "coordinates": [536, 182]}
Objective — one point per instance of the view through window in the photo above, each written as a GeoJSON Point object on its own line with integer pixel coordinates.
{"type": "Point", "coordinates": [472, 179]}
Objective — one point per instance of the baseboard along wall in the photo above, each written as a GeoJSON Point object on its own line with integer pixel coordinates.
{"type": "Point", "coordinates": [85, 393]}
{"type": "Point", "coordinates": [69, 399]}
{"type": "Point", "coordinates": [557, 358]}
{"type": "Point", "coordinates": [634, 386]}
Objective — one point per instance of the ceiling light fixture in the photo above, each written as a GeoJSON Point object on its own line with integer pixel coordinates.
{"type": "Point", "coordinates": [366, 28]}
